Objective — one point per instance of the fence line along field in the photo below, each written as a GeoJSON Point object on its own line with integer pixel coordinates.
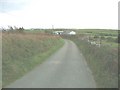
{"type": "Point", "coordinates": [23, 51]}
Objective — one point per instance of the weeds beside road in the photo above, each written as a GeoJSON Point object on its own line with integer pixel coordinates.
{"type": "Point", "coordinates": [103, 61]}
{"type": "Point", "coordinates": [21, 52]}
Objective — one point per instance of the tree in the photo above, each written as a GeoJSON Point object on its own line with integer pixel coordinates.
{"type": "Point", "coordinates": [10, 28]}
{"type": "Point", "coordinates": [16, 28]}
{"type": "Point", "coordinates": [21, 29]}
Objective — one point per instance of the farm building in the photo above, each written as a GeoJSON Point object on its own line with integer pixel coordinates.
{"type": "Point", "coordinates": [72, 33]}
{"type": "Point", "coordinates": [64, 32]}
{"type": "Point", "coordinates": [58, 32]}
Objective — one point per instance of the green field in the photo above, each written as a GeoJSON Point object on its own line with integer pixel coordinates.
{"type": "Point", "coordinates": [98, 31]}
{"type": "Point", "coordinates": [107, 37]}
{"type": "Point", "coordinates": [21, 52]}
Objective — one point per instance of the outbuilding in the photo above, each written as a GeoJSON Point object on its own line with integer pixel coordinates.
{"type": "Point", "coordinates": [58, 32]}
{"type": "Point", "coordinates": [72, 33]}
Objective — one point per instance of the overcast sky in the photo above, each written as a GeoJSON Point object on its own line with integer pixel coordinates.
{"type": "Point", "coordinates": [101, 14]}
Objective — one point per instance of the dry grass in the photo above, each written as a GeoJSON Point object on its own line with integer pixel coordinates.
{"type": "Point", "coordinates": [22, 52]}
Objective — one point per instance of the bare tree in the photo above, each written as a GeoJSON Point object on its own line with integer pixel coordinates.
{"type": "Point", "coordinates": [10, 28]}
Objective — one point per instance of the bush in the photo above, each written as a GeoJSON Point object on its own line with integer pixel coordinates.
{"type": "Point", "coordinates": [96, 36]}
{"type": "Point", "coordinates": [103, 38]}
{"type": "Point", "coordinates": [110, 39]}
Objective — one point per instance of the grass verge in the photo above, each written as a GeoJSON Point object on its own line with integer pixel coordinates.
{"type": "Point", "coordinates": [22, 52]}
{"type": "Point", "coordinates": [103, 61]}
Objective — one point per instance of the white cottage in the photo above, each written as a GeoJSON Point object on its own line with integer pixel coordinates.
{"type": "Point", "coordinates": [58, 32]}
{"type": "Point", "coordinates": [72, 33]}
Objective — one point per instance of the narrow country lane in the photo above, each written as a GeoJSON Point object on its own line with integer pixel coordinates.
{"type": "Point", "coordinates": [66, 68]}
